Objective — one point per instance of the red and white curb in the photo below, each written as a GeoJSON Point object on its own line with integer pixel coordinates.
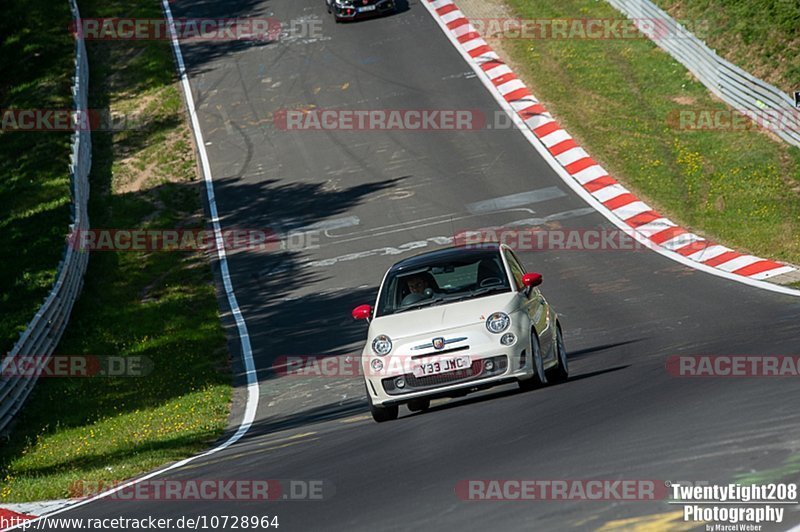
{"type": "Point", "coordinates": [10, 518]}
{"type": "Point", "coordinates": [37, 508]}
{"type": "Point", "coordinates": [616, 202]}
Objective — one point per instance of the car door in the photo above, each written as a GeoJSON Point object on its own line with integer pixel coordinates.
{"type": "Point", "coordinates": [536, 305]}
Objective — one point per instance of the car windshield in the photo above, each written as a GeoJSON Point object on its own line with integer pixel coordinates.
{"type": "Point", "coordinates": [443, 281]}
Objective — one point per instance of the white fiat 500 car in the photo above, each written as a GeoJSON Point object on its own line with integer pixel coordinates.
{"type": "Point", "coordinates": [454, 321]}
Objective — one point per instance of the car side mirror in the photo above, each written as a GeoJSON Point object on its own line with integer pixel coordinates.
{"type": "Point", "coordinates": [362, 312]}
{"type": "Point", "coordinates": [529, 280]}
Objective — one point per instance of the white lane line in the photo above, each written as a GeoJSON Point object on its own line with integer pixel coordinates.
{"type": "Point", "coordinates": [336, 223]}
{"type": "Point", "coordinates": [324, 225]}
{"type": "Point", "coordinates": [382, 251]}
{"type": "Point", "coordinates": [451, 218]}
{"type": "Point", "coordinates": [515, 200]}
{"type": "Point", "coordinates": [244, 337]}
{"type": "Point", "coordinates": [436, 240]}
{"type": "Point", "coordinates": [574, 213]}
{"type": "Point", "coordinates": [405, 226]}
{"type": "Point", "coordinates": [444, 217]}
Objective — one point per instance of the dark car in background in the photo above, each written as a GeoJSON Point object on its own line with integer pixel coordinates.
{"type": "Point", "coordinates": [352, 9]}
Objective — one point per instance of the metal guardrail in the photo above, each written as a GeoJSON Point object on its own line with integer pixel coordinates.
{"type": "Point", "coordinates": [743, 91]}
{"type": "Point", "coordinates": [44, 331]}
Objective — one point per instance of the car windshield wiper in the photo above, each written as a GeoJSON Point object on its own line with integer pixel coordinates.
{"type": "Point", "coordinates": [479, 292]}
{"type": "Point", "coordinates": [487, 289]}
{"type": "Point", "coordinates": [420, 304]}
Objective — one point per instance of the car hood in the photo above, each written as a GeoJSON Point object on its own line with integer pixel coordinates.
{"type": "Point", "coordinates": [442, 317]}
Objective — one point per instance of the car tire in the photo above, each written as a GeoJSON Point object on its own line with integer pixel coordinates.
{"type": "Point", "coordinates": [539, 377]}
{"type": "Point", "coordinates": [382, 413]}
{"type": "Point", "coordinates": [419, 405]}
{"type": "Point", "coordinates": [560, 373]}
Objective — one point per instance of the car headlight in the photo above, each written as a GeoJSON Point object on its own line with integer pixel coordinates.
{"type": "Point", "coordinates": [381, 345]}
{"type": "Point", "coordinates": [498, 322]}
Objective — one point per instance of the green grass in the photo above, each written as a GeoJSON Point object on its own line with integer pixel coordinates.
{"type": "Point", "coordinates": [36, 59]}
{"type": "Point", "coordinates": [786, 472]}
{"type": "Point", "coordinates": [616, 97]}
{"type": "Point", "coordinates": [761, 37]}
{"type": "Point", "coordinates": [159, 305]}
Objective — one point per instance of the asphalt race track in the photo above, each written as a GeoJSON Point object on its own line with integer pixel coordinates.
{"type": "Point", "coordinates": [386, 195]}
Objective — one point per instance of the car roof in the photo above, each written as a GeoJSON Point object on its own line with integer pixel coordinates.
{"type": "Point", "coordinates": [455, 252]}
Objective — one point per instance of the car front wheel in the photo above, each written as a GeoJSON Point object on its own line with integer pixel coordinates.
{"type": "Point", "coordinates": [419, 405]}
{"type": "Point", "coordinates": [538, 379]}
{"type": "Point", "coordinates": [382, 413]}
{"type": "Point", "coordinates": [560, 373]}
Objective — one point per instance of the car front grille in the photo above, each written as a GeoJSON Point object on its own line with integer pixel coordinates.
{"type": "Point", "coordinates": [474, 372]}
{"type": "Point", "coordinates": [442, 352]}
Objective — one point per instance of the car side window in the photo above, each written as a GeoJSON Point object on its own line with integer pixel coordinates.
{"type": "Point", "coordinates": [516, 269]}
{"type": "Point", "coordinates": [519, 262]}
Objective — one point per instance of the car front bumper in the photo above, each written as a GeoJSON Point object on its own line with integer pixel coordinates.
{"type": "Point", "coordinates": [505, 365]}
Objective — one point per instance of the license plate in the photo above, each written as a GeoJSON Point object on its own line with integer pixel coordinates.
{"type": "Point", "coordinates": [441, 365]}
{"type": "Point", "coordinates": [366, 8]}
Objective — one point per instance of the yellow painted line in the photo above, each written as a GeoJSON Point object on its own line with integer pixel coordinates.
{"type": "Point", "coordinates": [354, 419]}
{"type": "Point", "coordinates": [290, 440]}
{"type": "Point", "coordinates": [250, 453]}
{"type": "Point", "coordinates": [288, 444]}
{"type": "Point", "coordinates": [651, 523]}
{"type": "Point", "coordinates": [583, 522]}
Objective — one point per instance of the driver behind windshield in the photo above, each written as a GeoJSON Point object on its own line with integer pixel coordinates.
{"type": "Point", "coordinates": [420, 286]}
{"type": "Point", "coordinates": [417, 284]}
